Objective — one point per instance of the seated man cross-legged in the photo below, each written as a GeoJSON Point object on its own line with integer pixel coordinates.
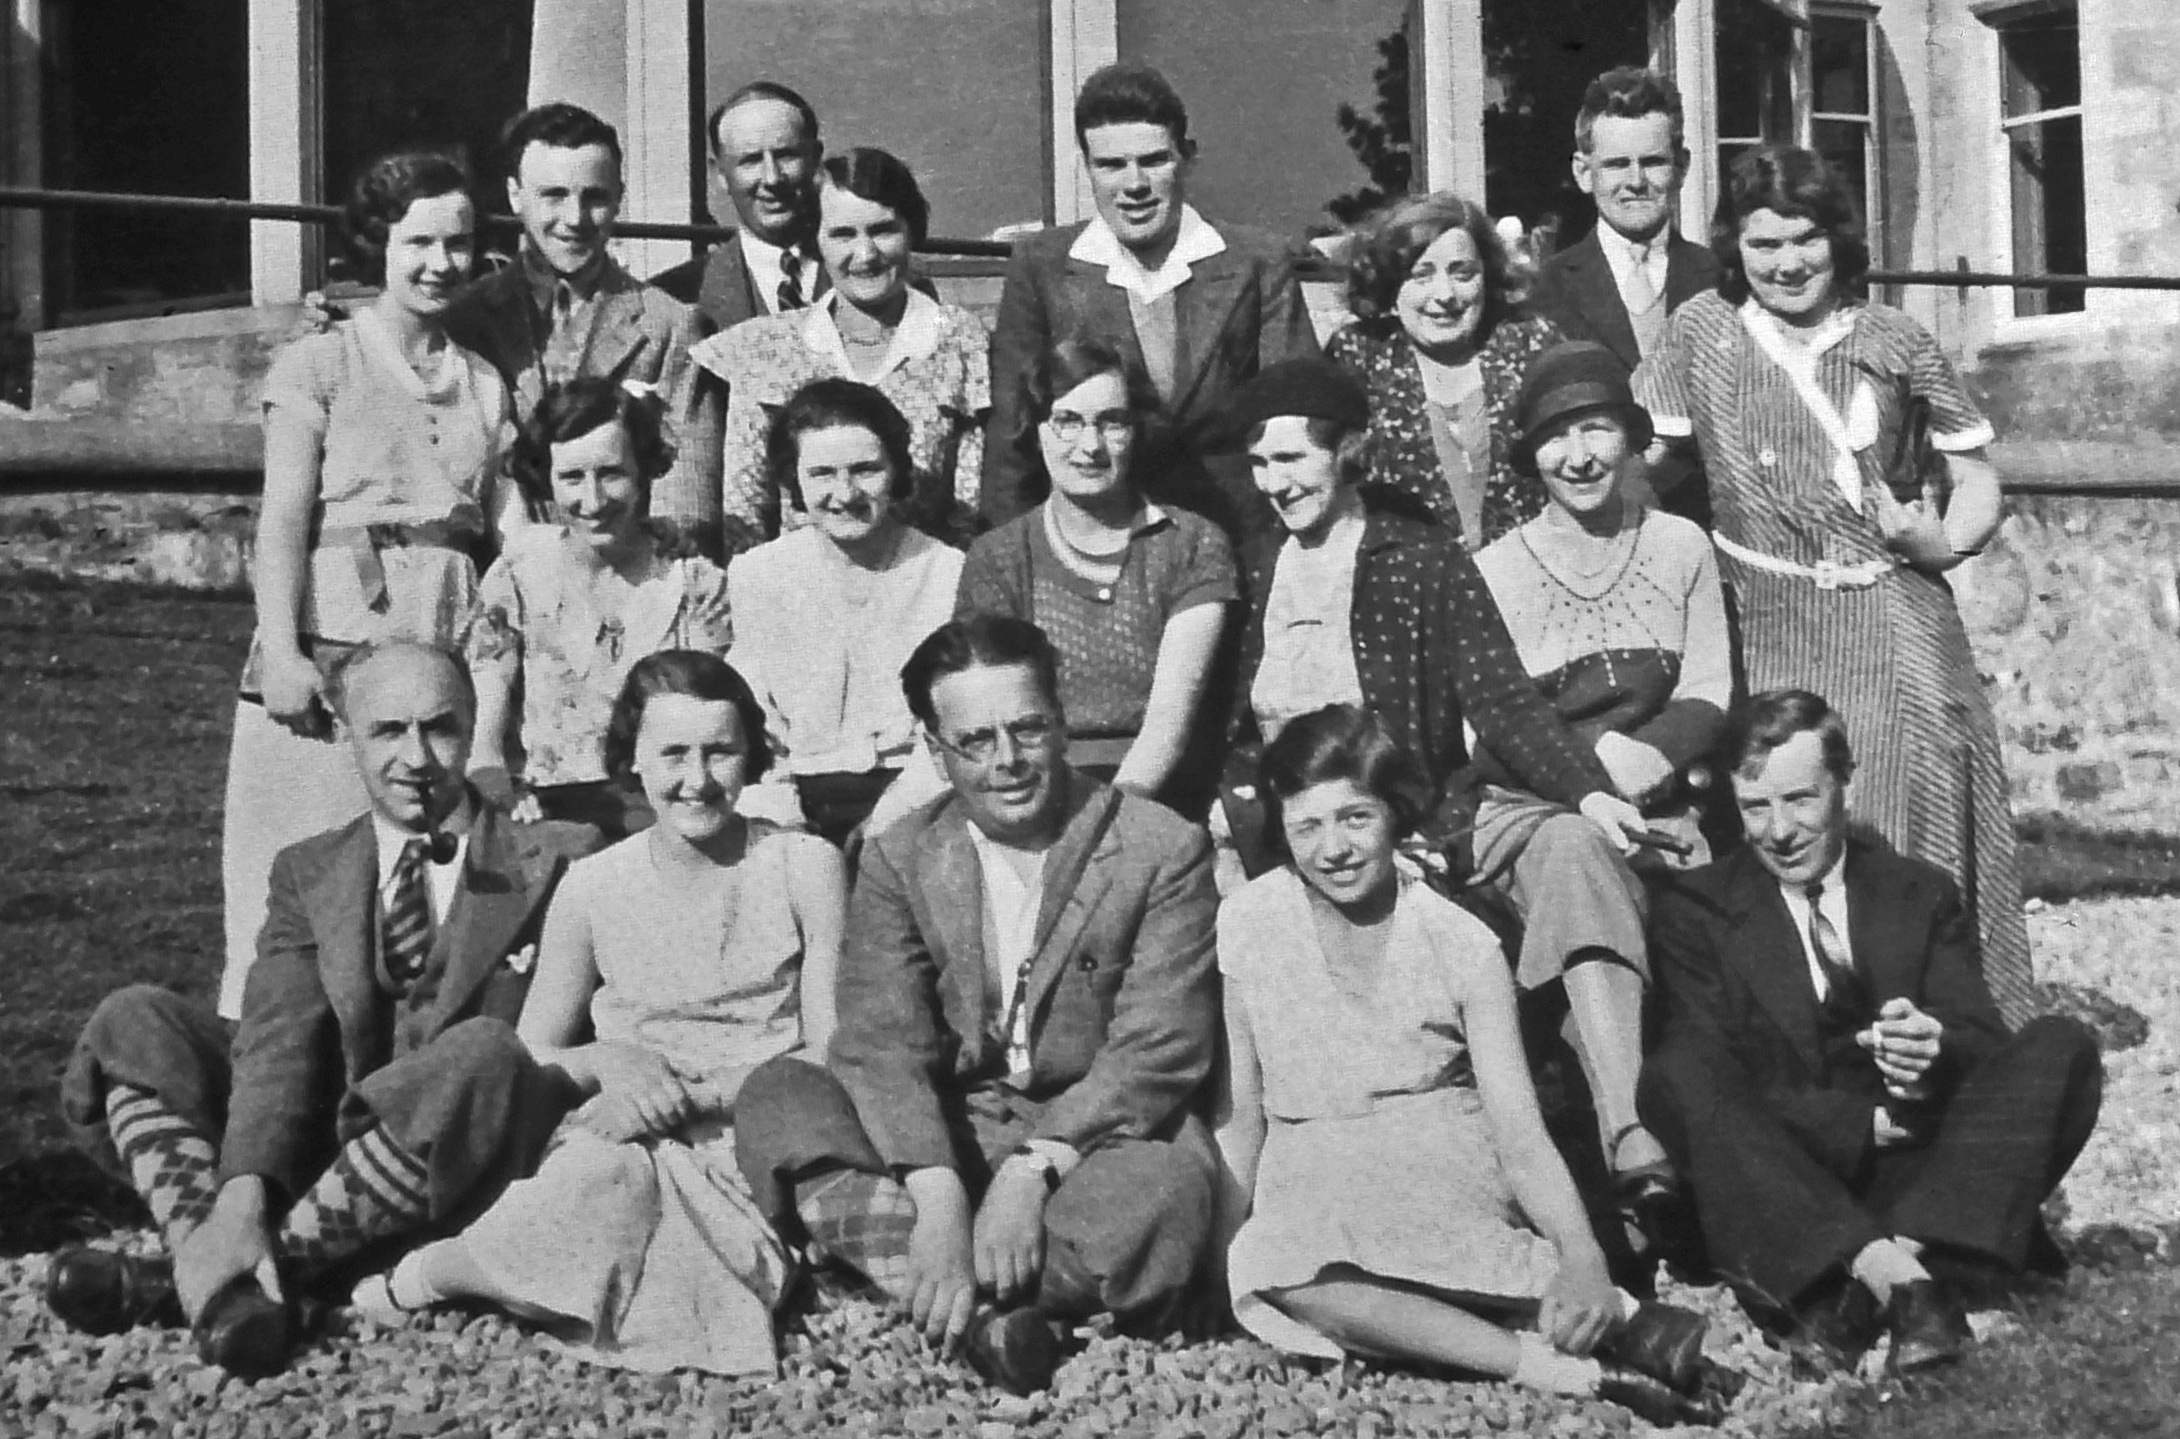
{"type": "Point", "coordinates": [1857, 1124]}
{"type": "Point", "coordinates": [1027, 1014]}
{"type": "Point", "coordinates": [375, 1091]}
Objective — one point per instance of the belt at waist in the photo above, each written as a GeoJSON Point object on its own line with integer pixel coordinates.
{"type": "Point", "coordinates": [364, 542]}
{"type": "Point", "coordinates": [1827, 574]}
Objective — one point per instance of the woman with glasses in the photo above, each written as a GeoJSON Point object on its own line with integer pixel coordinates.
{"type": "Point", "coordinates": [1132, 592]}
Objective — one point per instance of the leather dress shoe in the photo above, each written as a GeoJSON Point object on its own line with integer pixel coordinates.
{"type": "Point", "coordinates": [1832, 1334]}
{"type": "Point", "coordinates": [1017, 1350]}
{"type": "Point", "coordinates": [1663, 1342]}
{"type": "Point", "coordinates": [244, 1330]}
{"type": "Point", "coordinates": [1660, 1403]}
{"type": "Point", "coordinates": [103, 1291]}
{"type": "Point", "coordinates": [1928, 1327]}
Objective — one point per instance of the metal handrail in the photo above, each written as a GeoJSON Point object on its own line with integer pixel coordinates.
{"type": "Point", "coordinates": [12, 198]}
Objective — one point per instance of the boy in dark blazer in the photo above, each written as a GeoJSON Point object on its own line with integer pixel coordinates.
{"type": "Point", "coordinates": [1200, 307]}
{"type": "Point", "coordinates": [1027, 1016]}
{"type": "Point", "coordinates": [375, 1092]}
{"type": "Point", "coordinates": [1834, 1079]}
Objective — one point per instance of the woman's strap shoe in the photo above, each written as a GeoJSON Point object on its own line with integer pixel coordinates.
{"type": "Point", "coordinates": [1017, 1350]}
{"type": "Point", "coordinates": [1660, 1403]}
{"type": "Point", "coordinates": [1928, 1327]}
{"type": "Point", "coordinates": [103, 1291]}
{"type": "Point", "coordinates": [1663, 1341]}
{"type": "Point", "coordinates": [244, 1330]}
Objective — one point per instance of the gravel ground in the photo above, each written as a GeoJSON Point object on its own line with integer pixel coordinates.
{"type": "Point", "coordinates": [850, 1371]}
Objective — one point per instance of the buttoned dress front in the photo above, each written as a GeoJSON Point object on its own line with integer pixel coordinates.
{"type": "Point", "coordinates": [1882, 642]}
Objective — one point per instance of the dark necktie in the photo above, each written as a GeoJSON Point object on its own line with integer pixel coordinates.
{"type": "Point", "coordinates": [790, 292]}
{"type": "Point", "coordinates": [405, 930]}
{"type": "Point", "coordinates": [1832, 957]}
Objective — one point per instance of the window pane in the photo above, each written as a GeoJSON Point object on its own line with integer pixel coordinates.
{"type": "Point", "coordinates": [421, 73]}
{"type": "Point", "coordinates": [1843, 144]}
{"type": "Point", "coordinates": [151, 100]}
{"type": "Point", "coordinates": [1541, 55]}
{"type": "Point", "coordinates": [1839, 65]}
{"type": "Point", "coordinates": [955, 89]}
{"type": "Point", "coordinates": [1755, 51]}
{"type": "Point", "coordinates": [2042, 59]}
{"type": "Point", "coordinates": [1264, 83]}
{"type": "Point", "coordinates": [2050, 235]}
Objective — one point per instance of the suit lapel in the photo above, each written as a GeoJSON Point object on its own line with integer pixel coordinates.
{"type": "Point", "coordinates": [1103, 308]}
{"type": "Point", "coordinates": [343, 906]}
{"type": "Point", "coordinates": [499, 889]}
{"type": "Point", "coordinates": [1686, 273]}
{"type": "Point", "coordinates": [1598, 295]}
{"type": "Point", "coordinates": [1077, 874]}
{"type": "Point", "coordinates": [726, 292]}
{"type": "Point", "coordinates": [1202, 307]}
{"type": "Point", "coordinates": [952, 918]}
{"type": "Point", "coordinates": [1880, 901]}
{"type": "Point", "coordinates": [1762, 944]}
{"type": "Point", "coordinates": [620, 335]}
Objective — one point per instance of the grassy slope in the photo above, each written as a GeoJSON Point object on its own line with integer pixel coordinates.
{"type": "Point", "coordinates": [114, 711]}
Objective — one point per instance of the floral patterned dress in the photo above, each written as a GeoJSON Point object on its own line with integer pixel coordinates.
{"type": "Point", "coordinates": [1403, 454]}
{"type": "Point", "coordinates": [937, 372]}
{"type": "Point", "coordinates": [540, 623]}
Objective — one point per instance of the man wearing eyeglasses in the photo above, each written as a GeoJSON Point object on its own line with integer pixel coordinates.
{"type": "Point", "coordinates": [1007, 1138]}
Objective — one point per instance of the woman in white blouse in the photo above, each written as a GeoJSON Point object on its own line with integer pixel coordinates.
{"type": "Point", "coordinates": [826, 615]}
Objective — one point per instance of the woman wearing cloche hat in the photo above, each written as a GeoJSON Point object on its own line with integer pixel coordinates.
{"type": "Point", "coordinates": [1617, 616]}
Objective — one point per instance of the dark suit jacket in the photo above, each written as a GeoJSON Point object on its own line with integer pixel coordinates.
{"type": "Point", "coordinates": [642, 335]}
{"type": "Point", "coordinates": [1121, 996]}
{"type": "Point", "coordinates": [1574, 289]}
{"type": "Point", "coordinates": [314, 1020]}
{"type": "Point", "coordinates": [718, 284]}
{"type": "Point", "coordinates": [1241, 310]}
{"type": "Point", "coordinates": [1735, 982]}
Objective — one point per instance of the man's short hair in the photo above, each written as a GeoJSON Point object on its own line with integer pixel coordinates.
{"type": "Point", "coordinates": [1630, 92]}
{"type": "Point", "coordinates": [980, 640]}
{"type": "Point", "coordinates": [762, 90]}
{"type": "Point", "coordinates": [1129, 95]}
{"type": "Point", "coordinates": [342, 673]}
{"type": "Point", "coordinates": [1773, 718]}
{"type": "Point", "coordinates": [559, 125]}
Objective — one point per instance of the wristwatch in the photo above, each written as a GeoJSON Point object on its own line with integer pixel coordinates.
{"type": "Point", "coordinates": [1040, 1163]}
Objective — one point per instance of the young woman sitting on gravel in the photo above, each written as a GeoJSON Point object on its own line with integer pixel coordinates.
{"type": "Point", "coordinates": [693, 952]}
{"type": "Point", "coordinates": [1391, 1190]}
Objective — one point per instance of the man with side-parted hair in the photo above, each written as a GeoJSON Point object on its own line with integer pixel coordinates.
{"type": "Point", "coordinates": [566, 308]}
{"type": "Point", "coordinates": [764, 162]}
{"type": "Point", "coordinates": [1858, 1127]}
{"type": "Point", "coordinates": [1200, 307]}
{"type": "Point", "coordinates": [1617, 284]}
{"type": "Point", "coordinates": [1007, 1138]}
{"type": "Point", "coordinates": [375, 1091]}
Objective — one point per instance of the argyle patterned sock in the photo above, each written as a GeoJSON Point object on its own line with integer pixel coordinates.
{"type": "Point", "coordinates": [172, 1167]}
{"type": "Point", "coordinates": [862, 1221]}
{"type": "Point", "coordinates": [374, 1189]}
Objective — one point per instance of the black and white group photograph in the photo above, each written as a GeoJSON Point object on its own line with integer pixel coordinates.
{"type": "Point", "coordinates": [1089, 719]}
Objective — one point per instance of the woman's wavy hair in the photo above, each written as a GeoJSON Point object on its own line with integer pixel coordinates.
{"type": "Point", "coordinates": [1799, 185]}
{"type": "Point", "coordinates": [1069, 363]}
{"type": "Point", "coordinates": [879, 176]}
{"type": "Point", "coordinates": [1392, 240]}
{"type": "Point", "coordinates": [1338, 742]}
{"type": "Point", "coordinates": [826, 404]}
{"type": "Point", "coordinates": [699, 675]}
{"type": "Point", "coordinates": [383, 193]}
{"type": "Point", "coordinates": [1350, 445]}
{"type": "Point", "coordinates": [575, 408]}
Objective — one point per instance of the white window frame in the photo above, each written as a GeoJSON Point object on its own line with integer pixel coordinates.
{"type": "Point", "coordinates": [1872, 120]}
{"type": "Point", "coordinates": [2007, 326]}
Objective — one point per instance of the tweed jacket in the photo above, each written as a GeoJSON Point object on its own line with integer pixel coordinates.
{"type": "Point", "coordinates": [641, 334]}
{"type": "Point", "coordinates": [1240, 310]}
{"type": "Point", "coordinates": [1432, 651]}
{"type": "Point", "coordinates": [315, 1021]}
{"type": "Point", "coordinates": [1121, 993]}
{"type": "Point", "coordinates": [1735, 981]}
{"type": "Point", "coordinates": [1402, 454]}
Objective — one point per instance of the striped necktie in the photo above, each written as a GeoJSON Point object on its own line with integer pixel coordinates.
{"type": "Point", "coordinates": [790, 292]}
{"type": "Point", "coordinates": [405, 928]}
{"type": "Point", "coordinates": [1832, 956]}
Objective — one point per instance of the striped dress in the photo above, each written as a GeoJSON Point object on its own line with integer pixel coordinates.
{"type": "Point", "coordinates": [1891, 656]}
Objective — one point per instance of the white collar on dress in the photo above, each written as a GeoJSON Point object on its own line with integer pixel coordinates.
{"type": "Point", "coordinates": [915, 338]}
{"type": "Point", "coordinates": [1834, 328]}
{"type": "Point", "coordinates": [1196, 242]}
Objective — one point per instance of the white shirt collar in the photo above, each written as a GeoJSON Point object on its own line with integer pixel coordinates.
{"type": "Point", "coordinates": [1196, 242]}
{"type": "Point", "coordinates": [1620, 250]}
{"type": "Point", "coordinates": [915, 338]}
{"type": "Point", "coordinates": [764, 261]}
